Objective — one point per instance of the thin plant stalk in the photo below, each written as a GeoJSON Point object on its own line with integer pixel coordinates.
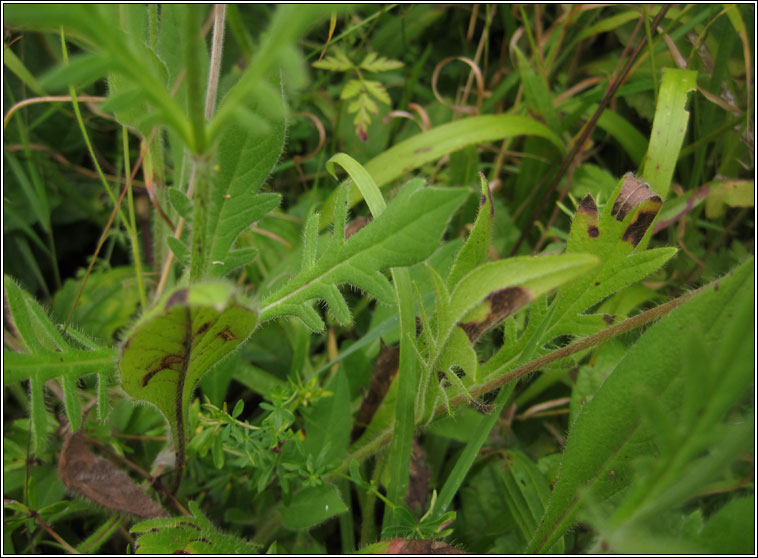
{"type": "Point", "coordinates": [133, 222]}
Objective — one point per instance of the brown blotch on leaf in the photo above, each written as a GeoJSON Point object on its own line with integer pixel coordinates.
{"type": "Point", "coordinates": [101, 481]}
{"type": "Point", "coordinates": [355, 225]}
{"type": "Point", "coordinates": [588, 204]}
{"type": "Point", "coordinates": [167, 362]}
{"type": "Point", "coordinates": [385, 370]}
{"type": "Point", "coordinates": [502, 304]}
{"type": "Point", "coordinates": [637, 228]}
{"type": "Point", "coordinates": [593, 231]}
{"type": "Point", "coordinates": [202, 329]}
{"type": "Point", "coordinates": [417, 546]}
{"type": "Point", "coordinates": [178, 297]}
{"type": "Point", "coordinates": [633, 193]}
{"type": "Point", "coordinates": [422, 150]}
{"type": "Point", "coordinates": [227, 335]}
{"type": "Point", "coordinates": [609, 318]}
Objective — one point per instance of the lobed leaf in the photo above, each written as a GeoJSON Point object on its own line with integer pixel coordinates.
{"type": "Point", "coordinates": [407, 232]}
{"type": "Point", "coordinates": [187, 535]}
{"type": "Point", "coordinates": [230, 202]}
{"type": "Point", "coordinates": [43, 354]}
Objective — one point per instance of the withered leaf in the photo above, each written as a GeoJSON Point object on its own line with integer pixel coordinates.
{"type": "Point", "coordinates": [418, 486]}
{"type": "Point", "coordinates": [101, 481]}
{"type": "Point", "coordinates": [385, 370]}
{"type": "Point", "coordinates": [636, 195]}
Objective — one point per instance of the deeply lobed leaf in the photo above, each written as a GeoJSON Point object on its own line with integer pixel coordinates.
{"type": "Point", "coordinates": [406, 233]}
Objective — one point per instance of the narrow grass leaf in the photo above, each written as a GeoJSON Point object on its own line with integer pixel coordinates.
{"type": "Point", "coordinates": [433, 144]}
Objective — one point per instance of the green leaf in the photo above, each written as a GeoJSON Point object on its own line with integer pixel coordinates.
{"type": "Point", "coordinates": [482, 299]}
{"type": "Point", "coordinates": [476, 249]}
{"type": "Point", "coordinates": [429, 146]}
{"type": "Point", "coordinates": [183, 337]}
{"type": "Point", "coordinates": [328, 423]}
{"type": "Point", "coordinates": [14, 64]}
{"type": "Point", "coordinates": [180, 250]}
{"type": "Point", "coordinates": [337, 63]}
{"type": "Point", "coordinates": [229, 203]}
{"type": "Point", "coordinates": [406, 233]}
{"type": "Point", "coordinates": [606, 424]}
{"type": "Point", "coordinates": [372, 63]}
{"type": "Point", "coordinates": [731, 530]}
{"type": "Point", "coordinates": [377, 90]}
{"type": "Point", "coordinates": [616, 237]}
{"type": "Point", "coordinates": [351, 89]}
{"type": "Point", "coordinates": [732, 193]}
{"type": "Point", "coordinates": [44, 354]}
{"type": "Point", "coordinates": [181, 203]}
{"type": "Point", "coordinates": [669, 128]}
{"type": "Point", "coordinates": [81, 71]}
{"type": "Point", "coordinates": [187, 535]}
{"type": "Point", "coordinates": [311, 506]}
{"type": "Point", "coordinates": [526, 493]}
{"type": "Point", "coordinates": [107, 303]}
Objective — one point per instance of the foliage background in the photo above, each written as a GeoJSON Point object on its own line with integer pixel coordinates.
{"type": "Point", "coordinates": [551, 64]}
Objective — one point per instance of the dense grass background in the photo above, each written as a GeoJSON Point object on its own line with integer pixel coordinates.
{"type": "Point", "coordinates": [435, 65]}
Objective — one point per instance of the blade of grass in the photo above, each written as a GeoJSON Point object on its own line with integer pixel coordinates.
{"type": "Point", "coordinates": [402, 440]}
{"type": "Point", "coordinates": [433, 144]}
{"type": "Point", "coordinates": [132, 230]}
{"type": "Point", "coordinates": [669, 127]}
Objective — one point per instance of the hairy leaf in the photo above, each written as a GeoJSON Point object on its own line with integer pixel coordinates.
{"type": "Point", "coordinates": [187, 535]}
{"type": "Point", "coordinates": [183, 337]}
{"type": "Point", "coordinates": [502, 287]}
{"type": "Point", "coordinates": [407, 232]}
{"type": "Point", "coordinates": [606, 424]}
{"type": "Point", "coordinates": [41, 354]}
{"type": "Point", "coordinates": [229, 203]}
{"type": "Point", "coordinates": [613, 236]}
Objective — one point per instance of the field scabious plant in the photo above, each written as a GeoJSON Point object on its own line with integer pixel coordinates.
{"type": "Point", "coordinates": [450, 320]}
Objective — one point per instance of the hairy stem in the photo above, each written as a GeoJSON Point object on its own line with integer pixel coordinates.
{"type": "Point", "coordinates": [627, 325]}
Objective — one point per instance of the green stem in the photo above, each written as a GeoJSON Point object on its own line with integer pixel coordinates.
{"type": "Point", "coordinates": [132, 220]}
{"type": "Point", "coordinates": [466, 459]}
{"type": "Point", "coordinates": [405, 420]}
{"type": "Point", "coordinates": [85, 135]}
{"type": "Point", "coordinates": [614, 331]}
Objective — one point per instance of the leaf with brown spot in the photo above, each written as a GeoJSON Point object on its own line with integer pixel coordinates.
{"type": "Point", "coordinates": [500, 305]}
{"type": "Point", "coordinates": [176, 343]}
{"type": "Point", "coordinates": [480, 299]}
{"type": "Point", "coordinates": [99, 480]}
{"type": "Point", "coordinates": [622, 227]}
